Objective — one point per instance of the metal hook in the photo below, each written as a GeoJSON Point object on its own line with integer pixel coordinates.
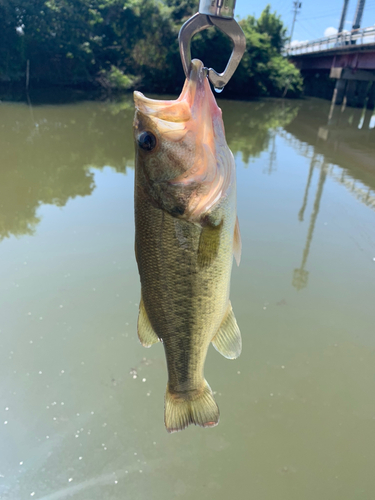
{"type": "Point", "coordinates": [230, 27]}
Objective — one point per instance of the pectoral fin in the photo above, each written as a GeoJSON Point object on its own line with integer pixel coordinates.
{"type": "Point", "coordinates": [228, 339]}
{"type": "Point", "coordinates": [237, 244]}
{"type": "Point", "coordinates": [146, 333]}
{"type": "Point", "coordinates": [209, 243]}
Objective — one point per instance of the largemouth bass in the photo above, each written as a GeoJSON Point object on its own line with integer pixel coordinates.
{"type": "Point", "coordinates": [186, 232]}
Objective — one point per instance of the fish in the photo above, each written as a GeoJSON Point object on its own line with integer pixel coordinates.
{"type": "Point", "coordinates": [186, 233]}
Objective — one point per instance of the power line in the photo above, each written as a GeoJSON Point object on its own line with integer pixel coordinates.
{"type": "Point", "coordinates": [327, 13]}
{"type": "Point", "coordinates": [367, 9]}
{"type": "Point", "coordinates": [334, 14]}
{"type": "Point", "coordinates": [313, 25]}
{"type": "Point", "coordinates": [283, 6]}
{"type": "Point", "coordinates": [307, 30]}
{"type": "Point", "coordinates": [316, 26]}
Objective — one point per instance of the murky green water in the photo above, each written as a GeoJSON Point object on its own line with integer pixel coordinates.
{"type": "Point", "coordinates": [81, 411]}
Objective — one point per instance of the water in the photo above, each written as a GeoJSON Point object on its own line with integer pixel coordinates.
{"type": "Point", "coordinates": [81, 411]}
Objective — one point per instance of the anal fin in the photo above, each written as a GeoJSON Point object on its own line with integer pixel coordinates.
{"type": "Point", "coordinates": [228, 340]}
{"type": "Point", "coordinates": [146, 333]}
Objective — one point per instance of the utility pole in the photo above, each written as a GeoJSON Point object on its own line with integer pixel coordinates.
{"type": "Point", "coordinates": [343, 15]}
{"type": "Point", "coordinates": [358, 14]}
{"type": "Point", "coordinates": [297, 5]}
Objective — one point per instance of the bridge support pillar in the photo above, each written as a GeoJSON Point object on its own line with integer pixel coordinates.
{"type": "Point", "coordinates": [352, 86]}
{"type": "Point", "coordinates": [371, 97]}
{"type": "Point", "coordinates": [367, 119]}
{"type": "Point", "coordinates": [339, 92]}
{"type": "Point", "coordinates": [351, 91]}
{"type": "Point", "coordinates": [362, 93]}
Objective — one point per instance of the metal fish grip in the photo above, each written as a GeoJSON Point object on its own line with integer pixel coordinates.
{"type": "Point", "coordinates": [217, 13]}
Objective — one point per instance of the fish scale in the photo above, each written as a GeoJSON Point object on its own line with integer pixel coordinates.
{"type": "Point", "coordinates": [185, 261]}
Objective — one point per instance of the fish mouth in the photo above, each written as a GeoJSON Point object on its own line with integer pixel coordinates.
{"type": "Point", "coordinates": [196, 116]}
{"type": "Point", "coordinates": [195, 91]}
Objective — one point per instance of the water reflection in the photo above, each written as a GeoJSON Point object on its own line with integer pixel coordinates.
{"type": "Point", "coordinates": [305, 197]}
{"type": "Point", "coordinates": [272, 161]}
{"type": "Point", "coordinates": [342, 138]}
{"type": "Point", "coordinates": [47, 151]}
{"type": "Point", "coordinates": [251, 126]}
{"type": "Point", "coordinates": [340, 144]}
{"type": "Point", "coordinates": [81, 405]}
{"type": "Point", "coordinates": [300, 276]}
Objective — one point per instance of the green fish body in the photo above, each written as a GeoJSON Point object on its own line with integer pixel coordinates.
{"type": "Point", "coordinates": [186, 234]}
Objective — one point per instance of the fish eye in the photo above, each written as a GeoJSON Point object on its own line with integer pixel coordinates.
{"type": "Point", "coordinates": [147, 141]}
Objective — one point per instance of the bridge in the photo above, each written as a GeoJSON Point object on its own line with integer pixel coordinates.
{"type": "Point", "coordinates": [348, 57]}
{"type": "Point", "coordinates": [355, 41]}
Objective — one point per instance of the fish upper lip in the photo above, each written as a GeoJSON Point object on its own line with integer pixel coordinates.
{"type": "Point", "coordinates": [146, 104]}
{"type": "Point", "coordinates": [192, 93]}
{"type": "Point", "coordinates": [197, 73]}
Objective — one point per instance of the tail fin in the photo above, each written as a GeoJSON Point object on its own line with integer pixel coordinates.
{"type": "Point", "coordinates": [183, 409]}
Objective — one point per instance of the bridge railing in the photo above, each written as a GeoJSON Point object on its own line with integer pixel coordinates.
{"type": "Point", "coordinates": [339, 41]}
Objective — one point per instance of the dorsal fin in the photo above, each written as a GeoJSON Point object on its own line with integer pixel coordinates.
{"type": "Point", "coordinates": [228, 338]}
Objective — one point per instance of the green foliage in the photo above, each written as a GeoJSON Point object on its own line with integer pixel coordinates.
{"type": "Point", "coordinates": [114, 78]}
{"type": "Point", "coordinates": [120, 44]}
{"type": "Point", "coordinates": [271, 25]}
{"type": "Point", "coordinates": [263, 70]}
{"type": "Point", "coordinates": [181, 10]}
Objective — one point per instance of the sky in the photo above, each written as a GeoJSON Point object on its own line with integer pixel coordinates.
{"type": "Point", "coordinates": [313, 18]}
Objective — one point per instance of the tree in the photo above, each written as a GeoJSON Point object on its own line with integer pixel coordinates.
{"type": "Point", "coordinates": [123, 44]}
{"type": "Point", "coordinates": [271, 25]}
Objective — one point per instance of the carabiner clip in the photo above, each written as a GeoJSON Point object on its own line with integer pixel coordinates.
{"type": "Point", "coordinates": [221, 16]}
